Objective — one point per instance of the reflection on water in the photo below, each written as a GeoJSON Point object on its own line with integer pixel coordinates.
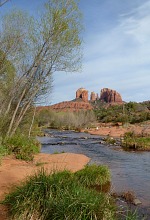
{"type": "Point", "coordinates": [130, 170]}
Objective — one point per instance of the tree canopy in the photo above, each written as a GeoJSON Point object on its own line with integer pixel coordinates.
{"type": "Point", "coordinates": [38, 47]}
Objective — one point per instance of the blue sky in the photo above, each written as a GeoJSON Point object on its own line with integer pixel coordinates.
{"type": "Point", "coordinates": [116, 49]}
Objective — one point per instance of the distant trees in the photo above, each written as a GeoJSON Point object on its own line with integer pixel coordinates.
{"type": "Point", "coordinates": [131, 112]}
{"type": "Point", "coordinates": [67, 120]}
{"type": "Point", "coordinates": [34, 49]}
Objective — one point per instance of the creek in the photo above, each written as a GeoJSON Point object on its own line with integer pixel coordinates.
{"type": "Point", "coordinates": [130, 171]}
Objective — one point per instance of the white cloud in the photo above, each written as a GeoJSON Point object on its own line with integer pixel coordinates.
{"type": "Point", "coordinates": [118, 58]}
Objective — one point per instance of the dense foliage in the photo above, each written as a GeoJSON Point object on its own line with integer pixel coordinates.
{"type": "Point", "coordinates": [31, 50]}
{"type": "Point", "coordinates": [131, 112]}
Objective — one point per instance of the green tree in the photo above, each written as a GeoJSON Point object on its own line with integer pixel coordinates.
{"type": "Point", "coordinates": [38, 48]}
{"type": "Point", "coordinates": [7, 76]}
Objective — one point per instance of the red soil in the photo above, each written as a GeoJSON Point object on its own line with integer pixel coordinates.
{"type": "Point", "coordinates": [13, 171]}
{"type": "Point", "coordinates": [118, 131]}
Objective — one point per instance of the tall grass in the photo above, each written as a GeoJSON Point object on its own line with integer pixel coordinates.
{"type": "Point", "coordinates": [93, 175]}
{"type": "Point", "coordinates": [132, 216]}
{"type": "Point", "coordinates": [63, 196]}
{"type": "Point", "coordinates": [58, 196]}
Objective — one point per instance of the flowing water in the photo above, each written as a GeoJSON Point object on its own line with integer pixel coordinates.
{"type": "Point", "coordinates": [130, 170]}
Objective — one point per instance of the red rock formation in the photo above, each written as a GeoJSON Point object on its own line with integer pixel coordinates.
{"type": "Point", "coordinates": [110, 96]}
{"type": "Point", "coordinates": [82, 94]}
{"type": "Point", "coordinates": [71, 106]}
{"type": "Point", "coordinates": [93, 96]}
{"type": "Point", "coordinates": [97, 96]}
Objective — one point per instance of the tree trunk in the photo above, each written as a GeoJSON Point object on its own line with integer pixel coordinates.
{"type": "Point", "coordinates": [24, 110]}
{"type": "Point", "coordinates": [32, 122]}
{"type": "Point", "coordinates": [15, 112]}
{"type": "Point", "coordinates": [20, 119]}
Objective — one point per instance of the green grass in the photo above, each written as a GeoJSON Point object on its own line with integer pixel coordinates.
{"type": "Point", "coordinates": [93, 175]}
{"type": "Point", "coordinates": [131, 141]}
{"type": "Point", "coordinates": [22, 146]}
{"type": "Point", "coordinates": [143, 142]}
{"type": "Point", "coordinates": [56, 152]}
{"type": "Point", "coordinates": [64, 196]}
{"type": "Point", "coordinates": [132, 215]}
{"type": "Point", "coordinates": [58, 196]}
{"type": "Point", "coordinates": [129, 215]}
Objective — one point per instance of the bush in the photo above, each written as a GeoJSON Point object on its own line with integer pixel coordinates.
{"type": "Point", "coordinates": [22, 146]}
{"type": "Point", "coordinates": [57, 196]}
{"type": "Point", "coordinates": [3, 152]}
{"type": "Point", "coordinates": [109, 140]}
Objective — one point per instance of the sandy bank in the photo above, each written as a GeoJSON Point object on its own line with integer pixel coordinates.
{"type": "Point", "coordinates": [103, 129]}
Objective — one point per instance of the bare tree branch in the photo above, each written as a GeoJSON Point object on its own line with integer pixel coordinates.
{"type": "Point", "coordinates": [3, 2]}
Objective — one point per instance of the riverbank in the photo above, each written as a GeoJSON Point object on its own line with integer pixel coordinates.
{"type": "Point", "coordinates": [130, 137]}
{"type": "Point", "coordinates": [13, 171]}
{"type": "Point", "coordinates": [80, 143]}
{"type": "Point", "coordinates": [117, 131]}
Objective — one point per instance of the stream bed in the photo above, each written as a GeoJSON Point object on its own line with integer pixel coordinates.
{"type": "Point", "coordinates": [130, 171]}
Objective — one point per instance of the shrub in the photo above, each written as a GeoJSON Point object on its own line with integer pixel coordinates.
{"type": "Point", "coordinates": [57, 196]}
{"type": "Point", "coordinates": [22, 146]}
{"type": "Point", "coordinates": [65, 120]}
{"type": "Point", "coordinates": [3, 152]}
{"type": "Point", "coordinates": [110, 140]}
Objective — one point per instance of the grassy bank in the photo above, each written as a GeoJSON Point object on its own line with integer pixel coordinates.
{"type": "Point", "coordinates": [132, 141]}
{"type": "Point", "coordinates": [64, 195]}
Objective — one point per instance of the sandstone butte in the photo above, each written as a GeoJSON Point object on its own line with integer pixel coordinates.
{"type": "Point", "coordinates": [81, 102]}
{"type": "Point", "coordinates": [13, 171]}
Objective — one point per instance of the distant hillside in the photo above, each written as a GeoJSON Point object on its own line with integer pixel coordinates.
{"type": "Point", "coordinates": [131, 112]}
{"type": "Point", "coordinates": [71, 106]}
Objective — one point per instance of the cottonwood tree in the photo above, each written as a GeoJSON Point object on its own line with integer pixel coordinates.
{"type": "Point", "coordinates": [38, 48]}
{"type": "Point", "coordinates": [7, 76]}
